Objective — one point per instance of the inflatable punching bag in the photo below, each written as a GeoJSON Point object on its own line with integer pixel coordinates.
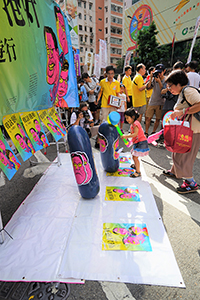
{"type": "Point", "coordinates": [82, 161]}
{"type": "Point", "coordinates": [109, 145]}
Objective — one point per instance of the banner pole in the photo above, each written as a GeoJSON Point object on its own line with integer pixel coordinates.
{"type": "Point", "coordinates": [2, 238]}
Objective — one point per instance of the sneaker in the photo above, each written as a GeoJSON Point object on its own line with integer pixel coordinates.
{"type": "Point", "coordinates": [187, 188]}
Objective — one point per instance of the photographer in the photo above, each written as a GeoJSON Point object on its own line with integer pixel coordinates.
{"type": "Point", "coordinates": [156, 101]}
{"type": "Point", "coordinates": [93, 88]}
{"type": "Point", "coordinates": [83, 117]}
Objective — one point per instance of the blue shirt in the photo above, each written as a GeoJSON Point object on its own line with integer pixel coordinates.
{"type": "Point", "coordinates": [84, 95]}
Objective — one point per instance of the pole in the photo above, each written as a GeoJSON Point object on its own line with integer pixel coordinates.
{"type": "Point", "coordinates": [173, 43]}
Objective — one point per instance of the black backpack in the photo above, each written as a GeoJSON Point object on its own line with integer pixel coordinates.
{"type": "Point", "coordinates": [197, 114]}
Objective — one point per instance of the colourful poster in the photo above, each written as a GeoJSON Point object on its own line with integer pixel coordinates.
{"type": "Point", "coordinates": [51, 125]}
{"type": "Point", "coordinates": [125, 159]}
{"type": "Point", "coordinates": [122, 193]}
{"type": "Point", "coordinates": [55, 116]}
{"type": "Point", "coordinates": [9, 163]}
{"type": "Point", "coordinates": [34, 130]}
{"type": "Point", "coordinates": [121, 172]}
{"type": "Point", "coordinates": [18, 135]}
{"type": "Point", "coordinates": [36, 57]}
{"type": "Point", "coordinates": [72, 17]}
{"type": "Point", "coordinates": [131, 237]}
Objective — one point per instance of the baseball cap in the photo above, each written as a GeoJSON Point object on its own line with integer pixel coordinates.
{"type": "Point", "coordinates": [159, 68]}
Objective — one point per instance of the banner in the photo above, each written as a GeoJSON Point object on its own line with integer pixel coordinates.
{"type": "Point", "coordinates": [34, 130]}
{"type": "Point", "coordinates": [102, 54]}
{"type": "Point", "coordinates": [35, 45]}
{"type": "Point", "coordinates": [15, 129]}
{"type": "Point", "coordinates": [54, 115]}
{"type": "Point", "coordinates": [61, 3]}
{"type": "Point", "coordinates": [89, 61]}
{"type": "Point", "coordinates": [71, 13]}
{"type": "Point", "coordinates": [97, 70]}
{"type": "Point", "coordinates": [77, 63]}
{"type": "Point", "coordinates": [194, 39]}
{"type": "Point", "coordinates": [168, 16]}
{"type": "Point", "coordinates": [9, 163]}
{"type": "Point", "coordinates": [51, 125]}
{"type": "Point", "coordinates": [127, 59]}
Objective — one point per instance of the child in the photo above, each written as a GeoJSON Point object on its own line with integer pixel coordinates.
{"type": "Point", "coordinates": [123, 106]}
{"type": "Point", "coordinates": [140, 145]}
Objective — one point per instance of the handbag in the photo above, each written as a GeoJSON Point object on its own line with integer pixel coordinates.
{"type": "Point", "coordinates": [178, 138]}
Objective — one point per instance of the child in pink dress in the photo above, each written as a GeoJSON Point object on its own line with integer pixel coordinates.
{"type": "Point", "coordinates": [139, 140]}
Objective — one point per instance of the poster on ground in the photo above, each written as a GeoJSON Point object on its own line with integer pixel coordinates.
{"type": "Point", "coordinates": [122, 193]}
{"type": "Point", "coordinates": [126, 237]}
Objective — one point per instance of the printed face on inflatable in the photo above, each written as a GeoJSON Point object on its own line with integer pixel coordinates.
{"type": "Point", "coordinates": [115, 148]}
{"type": "Point", "coordinates": [52, 59]}
{"type": "Point", "coordinates": [103, 143]}
{"type": "Point", "coordinates": [79, 169]}
{"type": "Point", "coordinates": [63, 84]}
{"type": "Point", "coordinates": [60, 25]}
{"type": "Point", "coordinates": [88, 168]}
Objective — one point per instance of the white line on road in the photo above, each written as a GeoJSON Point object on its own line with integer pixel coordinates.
{"type": "Point", "coordinates": [116, 291]}
{"type": "Point", "coordinates": [2, 178]}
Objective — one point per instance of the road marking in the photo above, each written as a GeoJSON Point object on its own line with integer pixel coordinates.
{"type": "Point", "coordinates": [38, 169]}
{"type": "Point", "coordinates": [2, 178]}
{"type": "Point", "coordinates": [186, 206]}
{"type": "Point", "coordinates": [116, 291]}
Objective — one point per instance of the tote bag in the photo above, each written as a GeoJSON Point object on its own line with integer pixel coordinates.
{"type": "Point", "coordinates": [178, 138]}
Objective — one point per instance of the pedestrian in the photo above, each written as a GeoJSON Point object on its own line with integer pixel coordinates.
{"type": "Point", "coordinates": [109, 86]}
{"type": "Point", "coordinates": [193, 76]}
{"type": "Point", "coordinates": [126, 80]}
{"type": "Point", "coordinates": [83, 92]}
{"type": "Point", "coordinates": [138, 89]}
{"type": "Point", "coordinates": [123, 106]}
{"type": "Point", "coordinates": [156, 102]}
{"type": "Point", "coordinates": [183, 162]}
{"type": "Point", "coordinates": [149, 91]}
{"type": "Point", "coordinates": [139, 140]}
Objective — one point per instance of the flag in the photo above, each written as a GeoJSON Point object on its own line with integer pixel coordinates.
{"type": "Point", "coordinates": [194, 39]}
{"type": "Point", "coordinates": [102, 53]}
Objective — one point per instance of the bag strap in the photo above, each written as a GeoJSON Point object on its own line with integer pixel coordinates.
{"type": "Point", "coordinates": [184, 99]}
{"type": "Point", "coordinates": [184, 116]}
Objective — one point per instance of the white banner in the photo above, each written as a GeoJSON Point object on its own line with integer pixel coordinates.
{"type": "Point", "coordinates": [194, 39]}
{"type": "Point", "coordinates": [89, 61]}
{"type": "Point", "coordinates": [96, 66]}
{"type": "Point", "coordinates": [72, 17]}
{"type": "Point", "coordinates": [127, 59]}
{"type": "Point", "coordinates": [62, 5]}
{"type": "Point", "coordinates": [102, 54]}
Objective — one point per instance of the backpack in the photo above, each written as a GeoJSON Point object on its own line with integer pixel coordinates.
{"type": "Point", "coordinates": [197, 114]}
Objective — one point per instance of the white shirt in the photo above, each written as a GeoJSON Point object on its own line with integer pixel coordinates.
{"type": "Point", "coordinates": [74, 118]}
{"type": "Point", "coordinates": [194, 79]}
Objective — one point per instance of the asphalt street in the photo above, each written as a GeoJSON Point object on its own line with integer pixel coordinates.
{"type": "Point", "coordinates": [180, 215]}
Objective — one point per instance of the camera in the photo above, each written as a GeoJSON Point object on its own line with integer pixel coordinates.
{"type": "Point", "coordinates": [155, 74]}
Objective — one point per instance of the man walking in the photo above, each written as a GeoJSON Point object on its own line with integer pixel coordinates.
{"type": "Point", "coordinates": [126, 81]}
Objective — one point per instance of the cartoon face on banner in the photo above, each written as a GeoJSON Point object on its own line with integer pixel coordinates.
{"type": "Point", "coordinates": [103, 142]}
{"type": "Point", "coordinates": [63, 85]}
{"type": "Point", "coordinates": [115, 149]}
{"type": "Point", "coordinates": [126, 193]}
{"type": "Point", "coordinates": [124, 159]}
{"type": "Point", "coordinates": [60, 26]}
{"type": "Point", "coordinates": [34, 130]}
{"type": "Point", "coordinates": [56, 120]}
{"type": "Point", "coordinates": [82, 168]}
{"type": "Point", "coordinates": [18, 135]}
{"type": "Point", "coordinates": [52, 70]}
{"type": "Point", "coordinates": [9, 163]}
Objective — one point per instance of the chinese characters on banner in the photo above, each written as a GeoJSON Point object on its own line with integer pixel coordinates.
{"type": "Point", "coordinates": [89, 61]}
{"type": "Point", "coordinates": [97, 69]}
{"type": "Point", "coordinates": [102, 53]}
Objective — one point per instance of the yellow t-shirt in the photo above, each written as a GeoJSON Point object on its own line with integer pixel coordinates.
{"type": "Point", "coordinates": [139, 98]}
{"type": "Point", "coordinates": [108, 89]}
{"type": "Point", "coordinates": [128, 84]}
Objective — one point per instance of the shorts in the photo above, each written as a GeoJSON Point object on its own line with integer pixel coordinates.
{"type": "Point", "coordinates": [140, 109]}
{"type": "Point", "coordinates": [154, 109]}
{"type": "Point", "coordinates": [104, 112]}
{"type": "Point", "coordinates": [93, 107]}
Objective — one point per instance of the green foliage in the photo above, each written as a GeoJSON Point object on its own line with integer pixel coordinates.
{"type": "Point", "coordinates": [148, 52]}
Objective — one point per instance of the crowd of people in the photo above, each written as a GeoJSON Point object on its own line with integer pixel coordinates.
{"type": "Point", "coordinates": [144, 95]}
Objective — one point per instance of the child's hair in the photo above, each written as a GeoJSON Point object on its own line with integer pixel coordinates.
{"type": "Point", "coordinates": [122, 85]}
{"type": "Point", "coordinates": [131, 112]}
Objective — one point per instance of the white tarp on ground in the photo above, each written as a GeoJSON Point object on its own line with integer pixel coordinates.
{"type": "Point", "coordinates": [58, 235]}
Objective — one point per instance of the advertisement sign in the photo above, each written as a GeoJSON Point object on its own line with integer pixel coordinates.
{"type": "Point", "coordinates": [89, 61]}
{"type": "Point", "coordinates": [169, 17]}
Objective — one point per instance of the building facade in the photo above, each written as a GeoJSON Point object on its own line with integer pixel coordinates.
{"type": "Point", "coordinates": [100, 20]}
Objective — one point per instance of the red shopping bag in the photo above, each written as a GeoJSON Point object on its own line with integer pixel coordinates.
{"type": "Point", "coordinates": [178, 138]}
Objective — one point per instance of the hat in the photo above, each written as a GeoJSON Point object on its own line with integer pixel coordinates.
{"type": "Point", "coordinates": [159, 68]}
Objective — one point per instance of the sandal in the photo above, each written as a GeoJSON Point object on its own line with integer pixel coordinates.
{"type": "Point", "coordinates": [146, 133]}
{"type": "Point", "coordinates": [169, 174]}
{"type": "Point", "coordinates": [132, 166]}
{"type": "Point", "coordinates": [132, 175]}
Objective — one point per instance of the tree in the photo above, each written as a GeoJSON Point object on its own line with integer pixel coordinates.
{"type": "Point", "coordinates": [148, 51]}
